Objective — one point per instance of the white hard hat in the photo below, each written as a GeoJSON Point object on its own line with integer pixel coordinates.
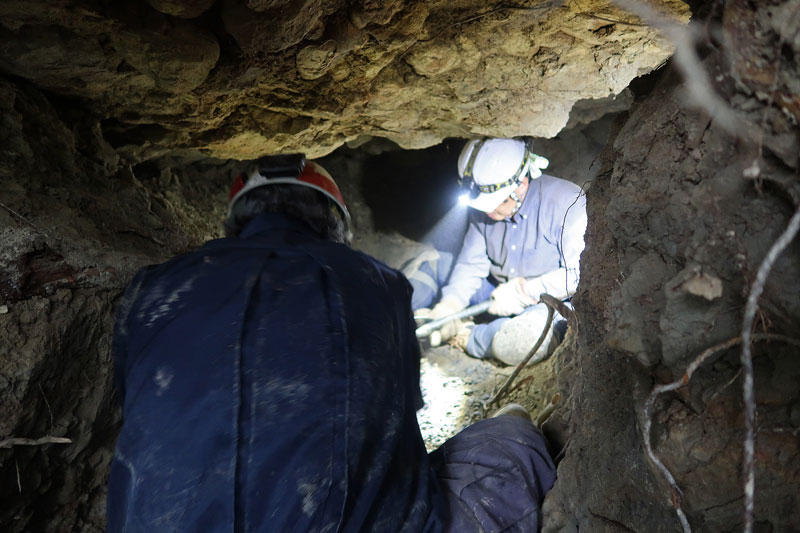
{"type": "Point", "coordinates": [497, 167]}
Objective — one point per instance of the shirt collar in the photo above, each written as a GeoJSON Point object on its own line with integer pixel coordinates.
{"type": "Point", "coordinates": [525, 208]}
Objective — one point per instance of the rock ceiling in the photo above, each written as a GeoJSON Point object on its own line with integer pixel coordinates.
{"type": "Point", "coordinates": [239, 78]}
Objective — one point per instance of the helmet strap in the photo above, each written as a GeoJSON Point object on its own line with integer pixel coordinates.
{"type": "Point", "coordinates": [471, 162]}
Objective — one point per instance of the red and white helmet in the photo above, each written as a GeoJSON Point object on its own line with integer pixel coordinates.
{"type": "Point", "coordinates": [303, 172]}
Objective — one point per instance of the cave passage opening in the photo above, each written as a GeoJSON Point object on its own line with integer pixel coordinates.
{"type": "Point", "coordinates": [404, 202]}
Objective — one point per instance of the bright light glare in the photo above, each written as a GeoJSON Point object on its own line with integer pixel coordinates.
{"type": "Point", "coordinates": [445, 401]}
{"type": "Point", "coordinates": [463, 199]}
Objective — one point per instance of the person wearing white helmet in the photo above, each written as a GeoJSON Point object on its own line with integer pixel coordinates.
{"type": "Point", "coordinates": [524, 238]}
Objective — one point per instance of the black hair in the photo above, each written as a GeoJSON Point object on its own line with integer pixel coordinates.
{"type": "Point", "coordinates": [297, 201]}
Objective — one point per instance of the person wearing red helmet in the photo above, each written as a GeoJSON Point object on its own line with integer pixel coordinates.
{"type": "Point", "coordinates": [256, 192]}
{"type": "Point", "coordinates": [269, 381]}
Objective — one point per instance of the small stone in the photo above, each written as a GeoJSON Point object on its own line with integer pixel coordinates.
{"type": "Point", "coordinates": [702, 454]}
{"type": "Point", "coordinates": [3, 309]}
{"type": "Point", "coordinates": [705, 285]}
{"type": "Point", "coordinates": [753, 171]}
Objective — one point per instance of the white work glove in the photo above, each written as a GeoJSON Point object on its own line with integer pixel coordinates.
{"type": "Point", "coordinates": [444, 308]}
{"type": "Point", "coordinates": [510, 298]}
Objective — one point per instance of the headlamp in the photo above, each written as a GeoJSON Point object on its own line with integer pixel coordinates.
{"type": "Point", "coordinates": [468, 190]}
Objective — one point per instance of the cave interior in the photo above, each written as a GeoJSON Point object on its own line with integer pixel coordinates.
{"type": "Point", "coordinates": [124, 124]}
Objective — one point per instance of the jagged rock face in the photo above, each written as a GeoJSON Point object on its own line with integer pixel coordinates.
{"type": "Point", "coordinates": [241, 78]}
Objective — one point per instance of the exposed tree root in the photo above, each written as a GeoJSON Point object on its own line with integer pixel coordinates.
{"type": "Point", "coordinates": [697, 80]}
{"type": "Point", "coordinates": [18, 441]}
{"type": "Point", "coordinates": [647, 410]}
{"type": "Point", "coordinates": [551, 305]}
{"type": "Point", "coordinates": [748, 394]}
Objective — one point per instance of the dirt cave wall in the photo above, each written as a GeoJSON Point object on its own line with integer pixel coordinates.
{"type": "Point", "coordinates": [670, 211]}
{"type": "Point", "coordinates": [76, 222]}
{"type": "Point", "coordinates": [679, 223]}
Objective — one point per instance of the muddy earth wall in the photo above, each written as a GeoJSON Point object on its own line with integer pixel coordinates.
{"type": "Point", "coordinates": [76, 222]}
{"type": "Point", "coordinates": [679, 222]}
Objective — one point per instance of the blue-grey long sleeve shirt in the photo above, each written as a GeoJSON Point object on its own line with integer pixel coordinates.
{"type": "Point", "coordinates": [542, 243]}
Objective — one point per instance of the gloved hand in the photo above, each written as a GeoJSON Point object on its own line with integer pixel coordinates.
{"type": "Point", "coordinates": [510, 298]}
{"type": "Point", "coordinates": [444, 308]}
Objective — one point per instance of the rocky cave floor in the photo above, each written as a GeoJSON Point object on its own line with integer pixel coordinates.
{"type": "Point", "coordinates": [457, 389]}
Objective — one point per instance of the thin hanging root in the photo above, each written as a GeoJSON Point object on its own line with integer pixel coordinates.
{"type": "Point", "coordinates": [548, 410]}
{"type": "Point", "coordinates": [748, 393]}
{"type": "Point", "coordinates": [548, 300]}
{"type": "Point", "coordinates": [22, 218]}
{"type": "Point", "coordinates": [696, 78]}
{"type": "Point", "coordinates": [17, 441]}
{"type": "Point", "coordinates": [647, 411]}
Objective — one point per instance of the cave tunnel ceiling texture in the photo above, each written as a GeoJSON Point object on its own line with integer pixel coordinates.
{"type": "Point", "coordinates": [123, 124]}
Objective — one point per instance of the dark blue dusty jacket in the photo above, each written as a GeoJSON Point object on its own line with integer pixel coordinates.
{"type": "Point", "coordinates": [269, 383]}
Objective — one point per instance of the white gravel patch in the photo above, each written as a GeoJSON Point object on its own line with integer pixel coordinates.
{"type": "Point", "coordinates": [445, 399]}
